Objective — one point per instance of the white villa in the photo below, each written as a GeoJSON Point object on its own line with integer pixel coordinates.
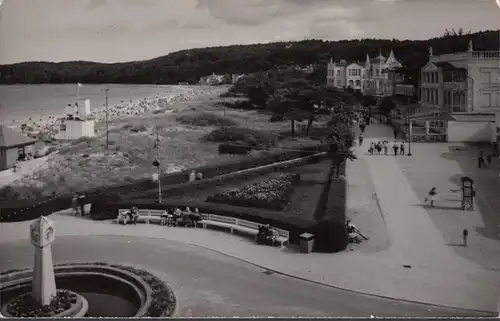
{"type": "Point", "coordinates": [376, 76]}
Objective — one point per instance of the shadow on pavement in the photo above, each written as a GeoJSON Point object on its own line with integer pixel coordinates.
{"type": "Point", "coordinates": [455, 244]}
{"type": "Point", "coordinates": [438, 207]}
{"type": "Point", "coordinates": [487, 189]}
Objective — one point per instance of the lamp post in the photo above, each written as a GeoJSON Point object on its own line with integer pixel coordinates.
{"type": "Point", "coordinates": [107, 128]}
{"type": "Point", "coordinates": [156, 163]}
{"type": "Point", "coordinates": [408, 121]}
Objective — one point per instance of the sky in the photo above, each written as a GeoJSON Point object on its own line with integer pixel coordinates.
{"type": "Point", "coordinates": [127, 30]}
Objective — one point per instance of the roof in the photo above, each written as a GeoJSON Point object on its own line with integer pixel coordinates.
{"type": "Point", "coordinates": [447, 66]}
{"type": "Point", "coordinates": [10, 138]}
{"type": "Point", "coordinates": [473, 117]}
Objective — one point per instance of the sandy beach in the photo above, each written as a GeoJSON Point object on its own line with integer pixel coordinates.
{"type": "Point", "coordinates": [47, 126]}
{"type": "Point", "coordinates": [182, 122]}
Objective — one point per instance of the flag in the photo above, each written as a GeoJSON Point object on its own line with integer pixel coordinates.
{"type": "Point", "coordinates": [80, 85]}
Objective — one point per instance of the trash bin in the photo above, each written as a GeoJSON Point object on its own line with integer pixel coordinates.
{"type": "Point", "coordinates": [306, 242]}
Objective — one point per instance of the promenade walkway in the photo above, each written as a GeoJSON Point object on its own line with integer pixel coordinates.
{"type": "Point", "coordinates": [416, 266]}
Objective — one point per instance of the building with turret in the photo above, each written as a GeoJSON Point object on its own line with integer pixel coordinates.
{"type": "Point", "coordinates": [376, 76]}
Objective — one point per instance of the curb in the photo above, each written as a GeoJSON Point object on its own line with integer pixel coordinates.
{"type": "Point", "coordinates": [308, 280]}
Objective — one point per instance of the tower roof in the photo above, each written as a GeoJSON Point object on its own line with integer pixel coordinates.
{"type": "Point", "coordinates": [392, 62]}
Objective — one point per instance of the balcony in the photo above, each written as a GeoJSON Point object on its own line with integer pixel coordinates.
{"type": "Point", "coordinates": [455, 85]}
{"type": "Point", "coordinates": [486, 55]}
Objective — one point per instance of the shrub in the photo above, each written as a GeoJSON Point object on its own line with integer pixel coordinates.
{"type": "Point", "coordinates": [205, 119]}
{"type": "Point", "coordinates": [330, 236]}
{"type": "Point", "coordinates": [240, 104]}
{"type": "Point", "coordinates": [276, 118]}
{"type": "Point", "coordinates": [80, 140]}
{"type": "Point", "coordinates": [271, 194]}
{"type": "Point", "coordinates": [243, 136]}
{"type": "Point", "coordinates": [139, 128]}
{"type": "Point", "coordinates": [234, 149]}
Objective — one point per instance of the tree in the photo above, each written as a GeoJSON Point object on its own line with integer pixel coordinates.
{"type": "Point", "coordinates": [286, 103]}
{"type": "Point", "coordinates": [386, 105]}
{"type": "Point", "coordinates": [341, 137]}
{"type": "Point", "coordinates": [368, 100]}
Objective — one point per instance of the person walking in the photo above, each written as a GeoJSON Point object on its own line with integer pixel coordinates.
{"type": "Point", "coordinates": [74, 203]}
{"type": "Point", "coordinates": [395, 148]}
{"type": "Point", "coordinates": [360, 139]}
{"type": "Point", "coordinates": [465, 234]}
{"type": "Point", "coordinates": [395, 132]}
{"type": "Point", "coordinates": [386, 148]}
{"type": "Point", "coordinates": [81, 203]}
{"type": "Point", "coordinates": [402, 148]}
{"type": "Point", "coordinates": [489, 159]}
{"type": "Point", "coordinates": [362, 126]}
{"type": "Point", "coordinates": [480, 160]}
{"type": "Point", "coordinates": [431, 198]}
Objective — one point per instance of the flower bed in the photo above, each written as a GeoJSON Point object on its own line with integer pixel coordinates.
{"type": "Point", "coordinates": [25, 306]}
{"type": "Point", "coordinates": [271, 194]}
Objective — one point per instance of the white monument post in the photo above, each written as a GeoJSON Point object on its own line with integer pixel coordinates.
{"type": "Point", "coordinates": [44, 282]}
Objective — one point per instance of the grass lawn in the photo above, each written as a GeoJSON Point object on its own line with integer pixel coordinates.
{"type": "Point", "coordinates": [303, 200]}
{"type": "Point", "coordinates": [86, 163]}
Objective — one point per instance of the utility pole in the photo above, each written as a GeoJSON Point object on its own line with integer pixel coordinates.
{"type": "Point", "coordinates": [107, 128]}
{"type": "Point", "coordinates": [156, 163]}
{"type": "Point", "coordinates": [408, 119]}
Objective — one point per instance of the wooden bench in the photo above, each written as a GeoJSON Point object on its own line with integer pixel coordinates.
{"type": "Point", "coordinates": [122, 214]}
{"type": "Point", "coordinates": [240, 225]}
{"type": "Point", "coordinates": [284, 236]}
{"type": "Point", "coordinates": [247, 227]}
{"type": "Point", "coordinates": [220, 221]}
{"type": "Point", "coordinates": [143, 215]}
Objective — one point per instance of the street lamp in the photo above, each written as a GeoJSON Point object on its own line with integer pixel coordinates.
{"type": "Point", "coordinates": [107, 128]}
{"type": "Point", "coordinates": [156, 163]}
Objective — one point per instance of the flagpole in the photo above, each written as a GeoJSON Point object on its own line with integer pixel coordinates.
{"type": "Point", "coordinates": [77, 91]}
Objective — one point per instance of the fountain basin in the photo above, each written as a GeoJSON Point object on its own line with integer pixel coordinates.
{"type": "Point", "coordinates": [107, 291]}
{"type": "Point", "coordinates": [77, 309]}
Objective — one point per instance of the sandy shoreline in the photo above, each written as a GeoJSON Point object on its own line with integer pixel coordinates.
{"type": "Point", "coordinates": [48, 125]}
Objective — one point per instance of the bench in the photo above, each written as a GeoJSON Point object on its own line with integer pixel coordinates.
{"type": "Point", "coordinates": [143, 215]}
{"type": "Point", "coordinates": [220, 221]}
{"type": "Point", "coordinates": [284, 236]}
{"type": "Point", "coordinates": [240, 225]}
{"type": "Point", "coordinates": [247, 227]}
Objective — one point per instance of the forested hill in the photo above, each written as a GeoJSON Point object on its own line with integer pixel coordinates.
{"type": "Point", "coordinates": [190, 65]}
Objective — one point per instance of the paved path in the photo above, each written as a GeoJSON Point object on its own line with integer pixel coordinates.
{"type": "Point", "coordinates": [208, 284]}
{"type": "Point", "coordinates": [372, 273]}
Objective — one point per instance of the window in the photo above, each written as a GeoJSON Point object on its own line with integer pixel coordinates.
{"type": "Point", "coordinates": [377, 72]}
{"type": "Point", "coordinates": [358, 83]}
{"type": "Point", "coordinates": [338, 73]}
{"type": "Point", "coordinates": [339, 83]}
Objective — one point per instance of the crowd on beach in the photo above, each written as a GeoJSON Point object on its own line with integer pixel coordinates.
{"type": "Point", "coordinates": [49, 125]}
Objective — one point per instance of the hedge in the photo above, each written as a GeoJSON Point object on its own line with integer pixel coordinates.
{"type": "Point", "coordinates": [30, 208]}
{"type": "Point", "coordinates": [294, 225]}
{"type": "Point", "coordinates": [190, 187]}
{"type": "Point", "coordinates": [234, 149]}
{"type": "Point", "coordinates": [331, 234]}
{"type": "Point", "coordinates": [34, 209]}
